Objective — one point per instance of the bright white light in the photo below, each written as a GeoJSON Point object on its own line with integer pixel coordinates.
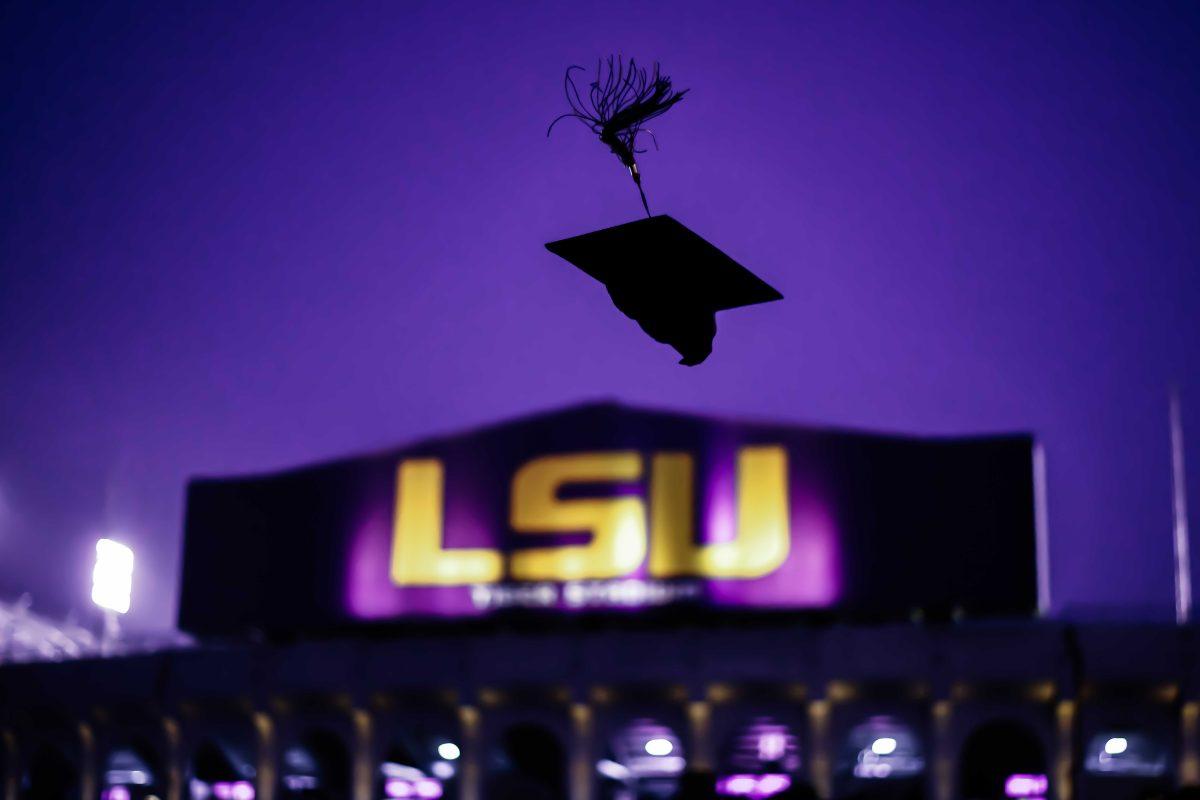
{"type": "Point", "coordinates": [771, 746]}
{"type": "Point", "coordinates": [872, 770]}
{"type": "Point", "coordinates": [613, 770]}
{"type": "Point", "coordinates": [449, 751]}
{"type": "Point", "coordinates": [773, 784]}
{"type": "Point", "coordinates": [1026, 786]}
{"type": "Point", "coordinates": [1116, 745]}
{"type": "Point", "coordinates": [396, 787]}
{"type": "Point", "coordinates": [659, 747]}
{"type": "Point", "coordinates": [200, 790]}
{"type": "Point", "coordinates": [741, 784]}
{"type": "Point", "coordinates": [428, 789]}
{"type": "Point", "coordinates": [391, 769]}
{"type": "Point", "coordinates": [883, 746]}
{"type": "Point", "coordinates": [112, 577]}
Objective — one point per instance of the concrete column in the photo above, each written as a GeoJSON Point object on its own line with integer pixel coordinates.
{"type": "Point", "coordinates": [471, 775]}
{"type": "Point", "coordinates": [820, 762]}
{"type": "Point", "coordinates": [264, 728]}
{"type": "Point", "coordinates": [943, 751]}
{"type": "Point", "coordinates": [175, 758]}
{"type": "Point", "coordinates": [700, 723]}
{"type": "Point", "coordinates": [364, 755]}
{"type": "Point", "coordinates": [1189, 740]}
{"type": "Point", "coordinates": [9, 790]}
{"type": "Point", "coordinates": [87, 759]}
{"type": "Point", "coordinates": [582, 727]}
{"type": "Point", "coordinates": [1064, 760]}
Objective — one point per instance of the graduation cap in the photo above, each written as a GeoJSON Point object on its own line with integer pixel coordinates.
{"type": "Point", "coordinates": [666, 278]}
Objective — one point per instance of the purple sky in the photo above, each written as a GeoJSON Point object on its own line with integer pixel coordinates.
{"type": "Point", "coordinates": [236, 237]}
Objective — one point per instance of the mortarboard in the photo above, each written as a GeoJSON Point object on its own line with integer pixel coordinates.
{"type": "Point", "coordinates": [666, 278]}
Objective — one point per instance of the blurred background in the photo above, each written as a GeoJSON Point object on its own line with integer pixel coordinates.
{"type": "Point", "coordinates": [238, 237]}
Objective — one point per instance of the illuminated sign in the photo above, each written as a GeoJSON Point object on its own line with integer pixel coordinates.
{"type": "Point", "coordinates": [620, 532]}
{"type": "Point", "coordinates": [603, 507]}
{"type": "Point", "coordinates": [599, 529]}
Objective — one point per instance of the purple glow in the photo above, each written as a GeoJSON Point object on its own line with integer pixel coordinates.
{"type": "Point", "coordinates": [773, 784]}
{"type": "Point", "coordinates": [425, 788]}
{"type": "Point", "coordinates": [300, 783]}
{"type": "Point", "coordinates": [720, 493]}
{"type": "Point", "coordinates": [1026, 786]}
{"type": "Point", "coordinates": [764, 746]}
{"type": "Point", "coordinates": [753, 786]}
{"type": "Point", "coordinates": [242, 790]}
{"type": "Point", "coordinates": [771, 745]}
{"type": "Point", "coordinates": [428, 788]}
{"type": "Point", "coordinates": [811, 575]}
{"type": "Point", "coordinates": [397, 787]}
{"type": "Point", "coordinates": [872, 770]}
{"type": "Point", "coordinates": [369, 593]}
{"type": "Point", "coordinates": [739, 784]}
{"type": "Point", "coordinates": [115, 793]}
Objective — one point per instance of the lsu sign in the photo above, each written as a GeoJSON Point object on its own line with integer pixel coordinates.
{"type": "Point", "coordinates": [606, 508]}
{"type": "Point", "coordinates": [594, 529]}
{"type": "Point", "coordinates": [624, 534]}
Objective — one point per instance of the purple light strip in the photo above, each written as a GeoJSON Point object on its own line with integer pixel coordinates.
{"type": "Point", "coordinates": [1026, 786]}
{"type": "Point", "coordinates": [755, 787]}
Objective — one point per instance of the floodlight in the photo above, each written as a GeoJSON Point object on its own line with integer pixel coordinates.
{"type": "Point", "coordinates": [112, 577]}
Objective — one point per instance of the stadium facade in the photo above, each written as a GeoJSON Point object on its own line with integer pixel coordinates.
{"type": "Point", "coordinates": [606, 602]}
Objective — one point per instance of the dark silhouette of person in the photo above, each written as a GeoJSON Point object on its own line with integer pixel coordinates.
{"type": "Point", "coordinates": [536, 766]}
{"type": "Point", "coordinates": [697, 785]}
{"type": "Point", "coordinates": [799, 790]}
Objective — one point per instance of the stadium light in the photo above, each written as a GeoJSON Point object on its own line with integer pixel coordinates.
{"type": "Point", "coordinates": [1116, 745]}
{"type": "Point", "coordinates": [112, 577]}
{"type": "Point", "coordinates": [883, 746]}
{"type": "Point", "coordinates": [659, 747]}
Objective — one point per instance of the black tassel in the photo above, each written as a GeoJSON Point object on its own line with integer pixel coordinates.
{"type": "Point", "coordinates": [619, 102]}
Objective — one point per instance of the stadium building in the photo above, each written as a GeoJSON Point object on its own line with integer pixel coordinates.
{"type": "Point", "coordinates": [607, 603]}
